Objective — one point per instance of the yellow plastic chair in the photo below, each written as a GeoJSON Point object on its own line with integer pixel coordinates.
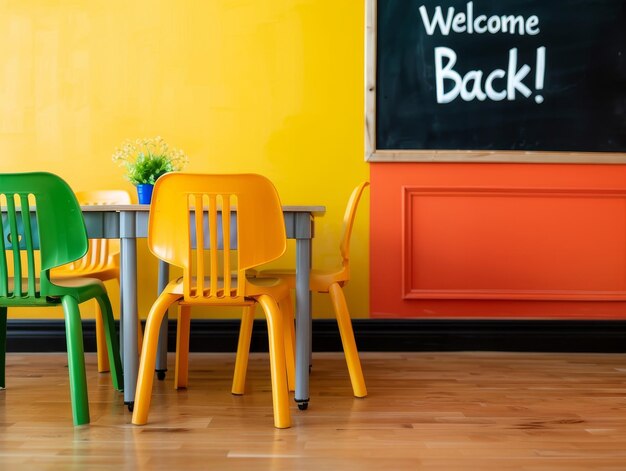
{"type": "Point", "coordinates": [102, 261]}
{"type": "Point", "coordinates": [321, 281]}
{"type": "Point", "coordinates": [245, 228]}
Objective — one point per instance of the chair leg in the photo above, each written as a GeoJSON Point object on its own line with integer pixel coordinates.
{"type": "Point", "coordinates": [181, 371]}
{"type": "Point", "coordinates": [347, 339]}
{"type": "Point", "coordinates": [145, 377]}
{"type": "Point", "coordinates": [280, 391]}
{"type": "Point", "coordinates": [76, 360]}
{"type": "Point", "coordinates": [139, 335]}
{"type": "Point", "coordinates": [101, 344]}
{"type": "Point", "coordinates": [3, 345]}
{"type": "Point", "coordinates": [289, 331]}
{"type": "Point", "coordinates": [243, 350]}
{"type": "Point", "coordinates": [112, 344]}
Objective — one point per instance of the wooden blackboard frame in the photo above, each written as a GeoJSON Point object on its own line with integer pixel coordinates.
{"type": "Point", "coordinates": [372, 154]}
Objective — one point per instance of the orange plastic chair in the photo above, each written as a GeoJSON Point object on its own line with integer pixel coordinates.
{"type": "Point", "coordinates": [102, 261]}
{"type": "Point", "coordinates": [321, 281]}
{"type": "Point", "coordinates": [245, 228]}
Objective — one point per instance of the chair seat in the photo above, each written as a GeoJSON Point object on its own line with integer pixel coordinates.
{"type": "Point", "coordinates": [74, 282]}
{"type": "Point", "coordinates": [77, 282]}
{"type": "Point", "coordinates": [104, 273]}
{"type": "Point", "coordinates": [319, 280]}
{"type": "Point", "coordinates": [81, 288]}
{"type": "Point", "coordinates": [275, 287]}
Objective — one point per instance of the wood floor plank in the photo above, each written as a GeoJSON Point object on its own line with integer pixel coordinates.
{"type": "Point", "coordinates": [443, 411]}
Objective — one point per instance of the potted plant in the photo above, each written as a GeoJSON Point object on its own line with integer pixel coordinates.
{"type": "Point", "coordinates": [145, 160]}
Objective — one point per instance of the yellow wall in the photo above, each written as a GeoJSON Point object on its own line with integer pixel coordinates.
{"type": "Point", "coordinates": [267, 86]}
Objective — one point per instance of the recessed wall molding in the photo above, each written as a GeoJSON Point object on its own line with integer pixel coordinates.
{"type": "Point", "coordinates": [515, 243]}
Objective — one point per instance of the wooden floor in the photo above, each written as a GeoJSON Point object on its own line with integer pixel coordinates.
{"type": "Point", "coordinates": [444, 411]}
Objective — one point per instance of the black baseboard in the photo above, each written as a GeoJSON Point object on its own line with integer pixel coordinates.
{"type": "Point", "coordinates": [371, 335]}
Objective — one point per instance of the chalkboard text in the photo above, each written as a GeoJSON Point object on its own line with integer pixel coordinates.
{"type": "Point", "coordinates": [506, 83]}
{"type": "Point", "coordinates": [498, 85]}
{"type": "Point", "coordinates": [465, 22]}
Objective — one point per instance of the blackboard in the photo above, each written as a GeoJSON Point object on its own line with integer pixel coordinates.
{"type": "Point", "coordinates": [523, 80]}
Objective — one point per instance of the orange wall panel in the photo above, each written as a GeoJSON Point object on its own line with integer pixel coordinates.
{"type": "Point", "coordinates": [498, 240]}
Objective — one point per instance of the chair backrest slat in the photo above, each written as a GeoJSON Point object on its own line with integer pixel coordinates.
{"type": "Point", "coordinates": [30, 247]}
{"type": "Point", "coordinates": [226, 245]}
{"type": "Point", "coordinates": [14, 240]}
{"type": "Point", "coordinates": [199, 226]}
{"type": "Point", "coordinates": [213, 246]}
{"type": "Point", "coordinates": [4, 272]}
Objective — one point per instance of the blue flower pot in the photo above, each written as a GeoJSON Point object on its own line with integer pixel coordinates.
{"type": "Point", "coordinates": [144, 193]}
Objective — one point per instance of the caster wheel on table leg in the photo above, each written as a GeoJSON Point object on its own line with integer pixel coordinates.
{"type": "Point", "coordinates": [303, 405]}
{"type": "Point", "coordinates": [131, 406]}
{"type": "Point", "coordinates": [160, 375]}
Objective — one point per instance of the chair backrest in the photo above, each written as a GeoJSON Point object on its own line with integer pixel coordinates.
{"type": "Point", "coordinates": [192, 220]}
{"type": "Point", "coordinates": [55, 227]}
{"type": "Point", "coordinates": [100, 250]}
{"type": "Point", "coordinates": [348, 221]}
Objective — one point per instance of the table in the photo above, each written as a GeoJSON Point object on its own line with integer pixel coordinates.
{"type": "Point", "coordinates": [130, 222]}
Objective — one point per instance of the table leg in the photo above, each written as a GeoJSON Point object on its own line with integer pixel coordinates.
{"type": "Point", "coordinates": [161, 360]}
{"type": "Point", "coordinates": [128, 294]}
{"type": "Point", "coordinates": [303, 321]}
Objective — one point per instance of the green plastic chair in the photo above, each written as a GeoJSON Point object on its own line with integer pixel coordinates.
{"type": "Point", "coordinates": [42, 227]}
